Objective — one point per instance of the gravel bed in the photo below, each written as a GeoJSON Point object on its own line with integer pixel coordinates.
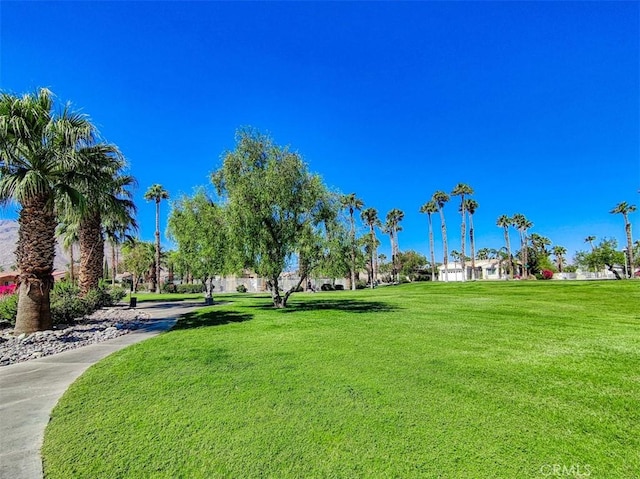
{"type": "Point", "coordinates": [102, 325]}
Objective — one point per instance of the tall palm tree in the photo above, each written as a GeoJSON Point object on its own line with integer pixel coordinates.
{"type": "Point", "coordinates": [38, 164]}
{"type": "Point", "coordinates": [440, 198]}
{"type": "Point", "coordinates": [471, 206]}
{"type": "Point", "coordinates": [523, 225]}
{"type": "Point", "coordinates": [116, 231]}
{"type": "Point", "coordinates": [429, 208]}
{"type": "Point", "coordinates": [370, 218]}
{"type": "Point", "coordinates": [504, 222]}
{"type": "Point", "coordinates": [392, 225]}
{"type": "Point", "coordinates": [107, 196]}
{"type": "Point", "coordinates": [559, 252]}
{"type": "Point", "coordinates": [67, 232]}
{"type": "Point", "coordinates": [483, 254]}
{"type": "Point", "coordinates": [352, 203]}
{"type": "Point", "coordinates": [590, 240]}
{"type": "Point", "coordinates": [625, 209]}
{"type": "Point", "coordinates": [462, 189]}
{"type": "Point", "coordinates": [157, 193]}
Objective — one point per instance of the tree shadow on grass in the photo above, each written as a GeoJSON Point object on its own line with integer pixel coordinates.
{"type": "Point", "coordinates": [210, 318]}
{"type": "Point", "coordinates": [343, 305]}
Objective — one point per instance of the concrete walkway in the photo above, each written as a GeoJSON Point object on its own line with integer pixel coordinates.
{"type": "Point", "coordinates": [30, 390]}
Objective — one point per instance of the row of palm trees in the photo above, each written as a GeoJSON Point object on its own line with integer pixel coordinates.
{"type": "Point", "coordinates": [61, 174]}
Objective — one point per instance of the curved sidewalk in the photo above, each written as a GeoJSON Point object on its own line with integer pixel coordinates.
{"type": "Point", "coordinates": [30, 390]}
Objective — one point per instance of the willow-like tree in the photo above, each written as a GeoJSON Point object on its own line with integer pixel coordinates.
{"type": "Point", "coordinates": [440, 198]}
{"type": "Point", "coordinates": [351, 203]}
{"type": "Point", "coordinates": [38, 165]}
{"type": "Point", "coordinates": [625, 210]}
{"type": "Point", "coordinates": [272, 201]}
{"type": "Point", "coordinates": [461, 190]}
{"type": "Point", "coordinates": [198, 227]}
{"type": "Point", "coordinates": [157, 193]}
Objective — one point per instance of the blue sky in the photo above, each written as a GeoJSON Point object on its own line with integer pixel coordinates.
{"type": "Point", "coordinates": [536, 105]}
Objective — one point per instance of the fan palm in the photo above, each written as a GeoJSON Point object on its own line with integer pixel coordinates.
{"type": "Point", "coordinates": [559, 252]}
{"type": "Point", "coordinates": [429, 208]}
{"type": "Point", "coordinates": [523, 224]}
{"type": "Point", "coordinates": [441, 198]}
{"type": "Point", "coordinates": [157, 193]}
{"type": "Point", "coordinates": [392, 226]}
{"type": "Point", "coordinates": [67, 232]}
{"type": "Point", "coordinates": [590, 240]}
{"type": "Point", "coordinates": [352, 203]}
{"type": "Point", "coordinates": [462, 189]}
{"type": "Point", "coordinates": [471, 206]}
{"type": "Point", "coordinates": [504, 222]}
{"type": "Point", "coordinates": [38, 164]}
{"type": "Point", "coordinates": [370, 217]}
{"type": "Point", "coordinates": [625, 209]}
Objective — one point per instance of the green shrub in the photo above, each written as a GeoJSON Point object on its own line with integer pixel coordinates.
{"type": "Point", "coordinates": [327, 287]}
{"type": "Point", "coordinates": [190, 288]}
{"type": "Point", "coordinates": [66, 309]}
{"type": "Point", "coordinates": [361, 284]}
{"type": "Point", "coordinates": [8, 309]}
{"type": "Point", "coordinates": [241, 288]}
{"type": "Point", "coordinates": [169, 288]}
{"type": "Point", "coordinates": [117, 293]}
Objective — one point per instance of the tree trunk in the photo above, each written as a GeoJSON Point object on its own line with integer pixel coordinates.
{"type": "Point", "coordinates": [353, 252]}
{"type": "Point", "coordinates": [72, 276]}
{"type": "Point", "coordinates": [627, 229]}
{"type": "Point", "coordinates": [114, 264]}
{"type": "Point", "coordinates": [463, 234]}
{"type": "Point", "coordinates": [445, 251]}
{"type": "Point", "coordinates": [275, 293]}
{"type": "Point", "coordinates": [157, 268]}
{"type": "Point", "coordinates": [508, 243]}
{"type": "Point", "coordinates": [34, 255]}
{"type": "Point", "coordinates": [431, 249]}
{"type": "Point", "coordinates": [473, 248]}
{"type": "Point", "coordinates": [91, 253]}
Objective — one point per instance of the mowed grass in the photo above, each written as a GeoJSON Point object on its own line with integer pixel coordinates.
{"type": "Point", "coordinates": [475, 380]}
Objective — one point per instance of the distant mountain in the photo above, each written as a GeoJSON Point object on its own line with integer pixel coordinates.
{"type": "Point", "coordinates": [8, 240]}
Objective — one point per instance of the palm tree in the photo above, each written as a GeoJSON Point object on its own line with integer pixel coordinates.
{"type": "Point", "coordinates": [352, 203]}
{"type": "Point", "coordinates": [559, 252]}
{"type": "Point", "coordinates": [483, 254]}
{"type": "Point", "coordinates": [471, 206]}
{"type": "Point", "coordinates": [67, 232]}
{"type": "Point", "coordinates": [370, 217]}
{"type": "Point", "coordinates": [116, 231]}
{"type": "Point", "coordinates": [157, 193]}
{"type": "Point", "coordinates": [462, 189]}
{"type": "Point", "coordinates": [429, 208]}
{"type": "Point", "coordinates": [504, 222]}
{"type": "Point", "coordinates": [392, 226]}
{"type": "Point", "coordinates": [590, 240]}
{"type": "Point", "coordinates": [38, 164]}
{"type": "Point", "coordinates": [440, 198]}
{"type": "Point", "coordinates": [523, 224]}
{"type": "Point", "coordinates": [625, 209]}
{"type": "Point", "coordinates": [107, 197]}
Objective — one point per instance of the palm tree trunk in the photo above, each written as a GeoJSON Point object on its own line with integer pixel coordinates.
{"type": "Point", "coordinates": [508, 243]}
{"type": "Point", "coordinates": [627, 229]}
{"type": "Point", "coordinates": [463, 234]}
{"type": "Point", "coordinates": [445, 251]}
{"type": "Point", "coordinates": [72, 276]}
{"type": "Point", "coordinates": [114, 264]}
{"type": "Point", "coordinates": [91, 253]}
{"type": "Point", "coordinates": [34, 255]}
{"type": "Point", "coordinates": [353, 251]}
{"type": "Point", "coordinates": [473, 248]}
{"type": "Point", "coordinates": [157, 272]}
{"type": "Point", "coordinates": [431, 248]}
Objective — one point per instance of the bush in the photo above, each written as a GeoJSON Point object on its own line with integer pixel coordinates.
{"type": "Point", "coordinates": [327, 287]}
{"type": "Point", "coordinates": [190, 288]}
{"type": "Point", "coordinates": [117, 293]}
{"type": "Point", "coordinates": [169, 288]}
{"type": "Point", "coordinates": [361, 284]}
{"type": "Point", "coordinates": [241, 288]}
{"type": "Point", "coordinates": [547, 274]}
{"type": "Point", "coordinates": [8, 309]}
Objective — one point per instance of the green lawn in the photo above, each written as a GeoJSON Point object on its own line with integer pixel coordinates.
{"type": "Point", "coordinates": [151, 297]}
{"type": "Point", "coordinates": [475, 380]}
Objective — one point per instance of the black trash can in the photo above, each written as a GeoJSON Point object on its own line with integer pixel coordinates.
{"type": "Point", "coordinates": [133, 302]}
